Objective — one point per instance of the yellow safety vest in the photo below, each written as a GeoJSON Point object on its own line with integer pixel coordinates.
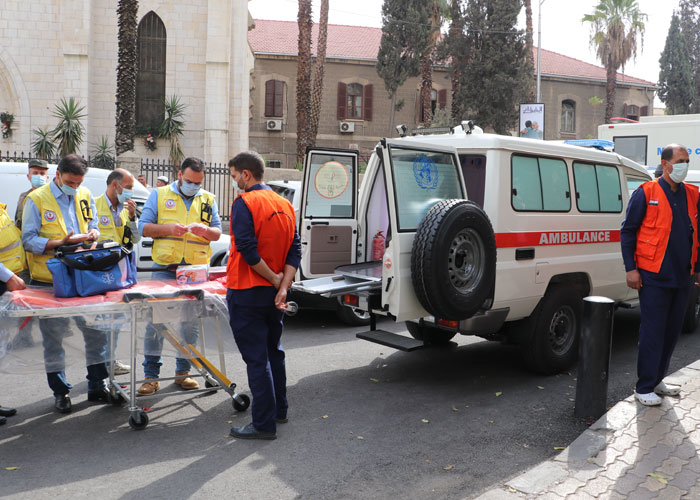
{"type": "Point", "coordinates": [11, 250]}
{"type": "Point", "coordinates": [105, 221]}
{"type": "Point", "coordinates": [169, 250]}
{"type": "Point", "coordinates": [53, 227]}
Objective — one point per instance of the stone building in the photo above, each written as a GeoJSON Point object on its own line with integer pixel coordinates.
{"type": "Point", "coordinates": [356, 108]}
{"type": "Point", "coordinates": [197, 50]}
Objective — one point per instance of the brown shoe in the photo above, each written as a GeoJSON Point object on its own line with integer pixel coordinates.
{"type": "Point", "coordinates": [186, 382]}
{"type": "Point", "coordinates": [148, 388]}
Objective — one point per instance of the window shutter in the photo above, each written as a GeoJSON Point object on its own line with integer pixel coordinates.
{"type": "Point", "coordinates": [270, 98]}
{"type": "Point", "coordinates": [645, 111]}
{"type": "Point", "coordinates": [279, 98]}
{"type": "Point", "coordinates": [624, 110]}
{"type": "Point", "coordinates": [367, 111]}
{"type": "Point", "coordinates": [342, 100]}
{"type": "Point", "coordinates": [442, 98]}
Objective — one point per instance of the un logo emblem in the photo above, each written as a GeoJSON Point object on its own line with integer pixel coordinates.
{"type": "Point", "coordinates": [425, 172]}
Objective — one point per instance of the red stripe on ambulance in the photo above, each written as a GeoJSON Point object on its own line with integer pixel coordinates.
{"type": "Point", "coordinates": [549, 238]}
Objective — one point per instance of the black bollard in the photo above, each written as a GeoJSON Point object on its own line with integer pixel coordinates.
{"type": "Point", "coordinates": [594, 357]}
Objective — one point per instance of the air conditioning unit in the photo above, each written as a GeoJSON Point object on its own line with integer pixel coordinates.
{"type": "Point", "coordinates": [347, 127]}
{"type": "Point", "coordinates": [274, 124]}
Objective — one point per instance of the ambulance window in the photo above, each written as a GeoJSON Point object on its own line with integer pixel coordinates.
{"type": "Point", "coordinates": [540, 184]}
{"type": "Point", "coordinates": [597, 188]}
{"type": "Point", "coordinates": [634, 148]}
{"type": "Point", "coordinates": [474, 173]}
{"type": "Point", "coordinates": [633, 183]}
{"type": "Point", "coordinates": [421, 179]}
{"type": "Point", "coordinates": [609, 188]}
{"type": "Point", "coordinates": [331, 186]}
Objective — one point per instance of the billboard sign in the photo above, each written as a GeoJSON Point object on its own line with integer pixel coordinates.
{"type": "Point", "coordinates": [532, 120]}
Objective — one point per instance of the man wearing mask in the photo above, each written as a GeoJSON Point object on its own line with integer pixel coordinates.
{"type": "Point", "coordinates": [37, 176]}
{"type": "Point", "coordinates": [60, 213]}
{"type": "Point", "coordinates": [117, 221]}
{"type": "Point", "coordinates": [182, 218]}
{"type": "Point", "coordinates": [659, 239]}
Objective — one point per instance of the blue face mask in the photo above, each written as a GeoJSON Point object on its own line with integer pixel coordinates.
{"type": "Point", "coordinates": [126, 194]}
{"type": "Point", "coordinates": [680, 171]}
{"type": "Point", "coordinates": [189, 188]}
{"type": "Point", "coordinates": [38, 181]}
{"type": "Point", "coordinates": [70, 191]}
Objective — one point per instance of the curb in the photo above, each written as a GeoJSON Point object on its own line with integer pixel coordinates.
{"type": "Point", "coordinates": [575, 461]}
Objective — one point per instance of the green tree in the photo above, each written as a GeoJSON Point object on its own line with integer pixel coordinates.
{"type": "Point", "coordinates": [172, 128]}
{"type": "Point", "coordinates": [42, 146]}
{"type": "Point", "coordinates": [127, 67]}
{"type": "Point", "coordinates": [68, 134]}
{"type": "Point", "coordinates": [103, 155]}
{"type": "Point", "coordinates": [615, 27]}
{"type": "Point", "coordinates": [435, 11]}
{"type": "Point", "coordinates": [690, 28]}
{"type": "Point", "coordinates": [676, 76]}
{"type": "Point", "coordinates": [453, 48]}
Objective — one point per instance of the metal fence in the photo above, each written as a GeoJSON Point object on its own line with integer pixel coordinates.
{"type": "Point", "coordinates": [22, 156]}
{"type": "Point", "coordinates": [217, 180]}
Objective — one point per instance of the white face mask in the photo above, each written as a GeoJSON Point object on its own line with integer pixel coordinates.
{"type": "Point", "coordinates": [680, 171]}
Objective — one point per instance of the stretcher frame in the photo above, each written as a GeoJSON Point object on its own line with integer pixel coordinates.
{"type": "Point", "coordinates": [153, 308]}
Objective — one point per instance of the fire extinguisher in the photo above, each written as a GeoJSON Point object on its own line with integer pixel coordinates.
{"type": "Point", "coordinates": [378, 245]}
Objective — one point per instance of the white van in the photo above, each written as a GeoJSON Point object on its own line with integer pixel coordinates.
{"type": "Point", "coordinates": [13, 182]}
{"type": "Point", "coordinates": [488, 235]}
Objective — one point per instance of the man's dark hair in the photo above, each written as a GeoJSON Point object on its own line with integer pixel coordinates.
{"type": "Point", "coordinates": [114, 175]}
{"type": "Point", "coordinates": [193, 163]}
{"type": "Point", "coordinates": [528, 124]}
{"type": "Point", "coordinates": [251, 161]}
{"type": "Point", "coordinates": [670, 150]}
{"type": "Point", "coordinates": [659, 171]}
{"type": "Point", "coordinates": [73, 164]}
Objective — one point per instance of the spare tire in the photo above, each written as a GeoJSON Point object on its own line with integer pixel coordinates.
{"type": "Point", "coordinates": [453, 262]}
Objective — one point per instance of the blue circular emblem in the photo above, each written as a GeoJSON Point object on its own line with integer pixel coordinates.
{"type": "Point", "coordinates": [49, 216]}
{"type": "Point", "coordinates": [425, 172]}
{"type": "Point", "coordinates": [104, 220]}
{"type": "Point", "coordinates": [169, 203]}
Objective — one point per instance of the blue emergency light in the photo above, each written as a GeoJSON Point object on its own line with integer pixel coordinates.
{"type": "Point", "coordinates": [592, 143]}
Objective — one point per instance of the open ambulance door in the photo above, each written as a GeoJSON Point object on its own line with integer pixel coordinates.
{"type": "Point", "coordinates": [328, 211]}
{"type": "Point", "coordinates": [418, 176]}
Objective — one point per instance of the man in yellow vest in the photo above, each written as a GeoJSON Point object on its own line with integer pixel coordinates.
{"type": "Point", "coordinates": [117, 221]}
{"type": "Point", "coordinates": [182, 218]}
{"type": "Point", "coordinates": [60, 213]}
{"type": "Point", "coordinates": [12, 262]}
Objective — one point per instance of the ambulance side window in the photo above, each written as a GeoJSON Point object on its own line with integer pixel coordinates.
{"type": "Point", "coordinates": [597, 188]}
{"type": "Point", "coordinates": [633, 183]}
{"type": "Point", "coordinates": [539, 184]}
{"type": "Point", "coordinates": [474, 173]}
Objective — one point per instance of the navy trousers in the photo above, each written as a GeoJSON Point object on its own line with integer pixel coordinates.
{"type": "Point", "coordinates": [662, 311]}
{"type": "Point", "coordinates": [257, 331]}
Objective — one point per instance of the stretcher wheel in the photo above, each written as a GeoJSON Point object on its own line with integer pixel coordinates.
{"type": "Point", "coordinates": [139, 426]}
{"type": "Point", "coordinates": [115, 400]}
{"type": "Point", "coordinates": [243, 404]}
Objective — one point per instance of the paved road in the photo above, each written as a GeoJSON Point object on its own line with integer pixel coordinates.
{"type": "Point", "coordinates": [365, 422]}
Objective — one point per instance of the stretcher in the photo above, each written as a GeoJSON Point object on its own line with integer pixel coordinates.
{"type": "Point", "coordinates": [162, 304]}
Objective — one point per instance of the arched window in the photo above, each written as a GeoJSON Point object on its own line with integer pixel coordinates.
{"type": "Point", "coordinates": [150, 81]}
{"type": "Point", "coordinates": [568, 116]}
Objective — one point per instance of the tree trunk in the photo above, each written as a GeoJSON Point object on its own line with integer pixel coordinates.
{"type": "Point", "coordinates": [529, 43]}
{"type": "Point", "coordinates": [611, 73]}
{"type": "Point", "coordinates": [303, 78]}
{"type": "Point", "coordinates": [127, 67]}
{"type": "Point", "coordinates": [426, 86]}
{"type": "Point", "coordinates": [317, 94]}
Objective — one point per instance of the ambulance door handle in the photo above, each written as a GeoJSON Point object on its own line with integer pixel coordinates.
{"type": "Point", "coordinates": [524, 253]}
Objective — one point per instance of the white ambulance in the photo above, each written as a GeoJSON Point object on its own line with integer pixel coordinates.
{"type": "Point", "coordinates": [487, 235]}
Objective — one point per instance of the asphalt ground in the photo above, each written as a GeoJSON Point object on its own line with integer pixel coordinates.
{"type": "Point", "coordinates": [365, 422]}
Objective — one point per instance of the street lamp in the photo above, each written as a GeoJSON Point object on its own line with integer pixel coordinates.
{"type": "Point", "coordinates": [539, 47]}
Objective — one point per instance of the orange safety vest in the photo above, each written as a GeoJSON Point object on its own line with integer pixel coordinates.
{"type": "Point", "coordinates": [274, 221]}
{"type": "Point", "coordinates": [653, 234]}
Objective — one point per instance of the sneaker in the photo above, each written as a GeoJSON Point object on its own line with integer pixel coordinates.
{"type": "Point", "coordinates": [649, 399]}
{"type": "Point", "coordinates": [121, 368]}
{"type": "Point", "coordinates": [186, 382]}
{"type": "Point", "coordinates": [667, 389]}
{"type": "Point", "coordinates": [148, 388]}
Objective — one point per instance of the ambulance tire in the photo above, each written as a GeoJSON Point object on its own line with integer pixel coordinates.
{"type": "Point", "coordinates": [453, 262]}
{"type": "Point", "coordinates": [429, 334]}
{"type": "Point", "coordinates": [692, 314]}
{"type": "Point", "coordinates": [552, 332]}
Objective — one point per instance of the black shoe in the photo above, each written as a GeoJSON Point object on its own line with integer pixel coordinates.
{"type": "Point", "coordinates": [62, 404]}
{"type": "Point", "coordinates": [281, 420]}
{"type": "Point", "coordinates": [250, 432]}
{"type": "Point", "coordinates": [7, 412]}
{"type": "Point", "coordinates": [3, 420]}
{"type": "Point", "coordinates": [101, 396]}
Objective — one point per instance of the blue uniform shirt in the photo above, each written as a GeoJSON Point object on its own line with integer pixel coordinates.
{"type": "Point", "coordinates": [31, 220]}
{"type": "Point", "coordinates": [675, 268]}
{"type": "Point", "coordinates": [5, 273]}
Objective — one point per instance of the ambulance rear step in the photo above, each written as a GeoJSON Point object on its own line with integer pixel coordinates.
{"type": "Point", "coordinates": [365, 278]}
{"type": "Point", "coordinates": [393, 340]}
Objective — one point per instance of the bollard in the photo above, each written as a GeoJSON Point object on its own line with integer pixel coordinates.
{"type": "Point", "coordinates": [594, 357]}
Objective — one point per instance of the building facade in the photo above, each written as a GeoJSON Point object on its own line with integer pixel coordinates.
{"type": "Point", "coordinates": [356, 108]}
{"type": "Point", "coordinates": [196, 50]}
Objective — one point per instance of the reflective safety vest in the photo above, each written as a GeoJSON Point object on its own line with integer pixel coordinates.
{"type": "Point", "coordinates": [11, 250]}
{"type": "Point", "coordinates": [105, 221]}
{"type": "Point", "coordinates": [53, 227]}
{"type": "Point", "coordinates": [653, 234]}
{"type": "Point", "coordinates": [274, 221]}
{"type": "Point", "coordinates": [172, 249]}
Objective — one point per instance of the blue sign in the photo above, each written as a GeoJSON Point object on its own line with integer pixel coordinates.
{"type": "Point", "coordinates": [425, 172]}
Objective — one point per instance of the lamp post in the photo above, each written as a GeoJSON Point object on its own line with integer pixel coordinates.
{"type": "Point", "coordinates": [539, 47]}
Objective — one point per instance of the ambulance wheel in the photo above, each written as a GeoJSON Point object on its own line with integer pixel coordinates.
{"type": "Point", "coordinates": [243, 404]}
{"type": "Point", "coordinates": [551, 343]}
{"type": "Point", "coordinates": [692, 314]}
{"type": "Point", "coordinates": [351, 316]}
{"type": "Point", "coordinates": [140, 425]}
{"type": "Point", "coordinates": [429, 334]}
{"type": "Point", "coordinates": [453, 262]}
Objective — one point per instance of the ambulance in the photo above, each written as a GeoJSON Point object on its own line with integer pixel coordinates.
{"type": "Point", "coordinates": [478, 234]}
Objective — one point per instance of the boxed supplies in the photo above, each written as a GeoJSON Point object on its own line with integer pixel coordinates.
{"type": "Point", "coordinates": [192, 274]}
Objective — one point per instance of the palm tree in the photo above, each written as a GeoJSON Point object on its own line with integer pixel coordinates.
{"type": "Point", "coordinates": [127, 67]}
{"type": "Point", "coordinates": [615, 27]}
{"type": "Point", "coordinates": [42, 146]}
{"type": "Point", "coordinates": [68, 134]}
{"type": "Point", "coordinates": [528, 37]}
{"type": "Point", "coordinates": [317, 91]}
{"type": "Point", "coordinates": [437, 8]}
{"type": "Point", "coordinates": [303, 77]}
{"type": "Point", "coordinates": [172, 128]}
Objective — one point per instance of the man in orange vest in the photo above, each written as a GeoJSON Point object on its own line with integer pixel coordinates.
{"type": "Point", "coordinates": [659, 240]}
{"type": "Point", "coordinates": [265, 254]}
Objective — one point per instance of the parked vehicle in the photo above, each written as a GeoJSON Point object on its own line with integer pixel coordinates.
{"type": "Point", "coordinates": [486, 235]}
